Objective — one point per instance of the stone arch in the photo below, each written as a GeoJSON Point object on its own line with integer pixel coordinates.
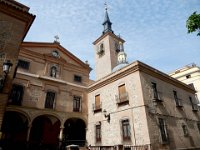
{"type": "Point", "coordinates": [45, 132]}
{"type": "Point", "coordinates": [25, 113]}
{"type": "Point", "coordinates": [74, 132]}
{"type": "Point", "coordinates": [46, 114]}
{"type": "Point", "coordinates": [14, 129]}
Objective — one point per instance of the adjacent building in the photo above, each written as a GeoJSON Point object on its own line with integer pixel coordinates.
{"type": "Point", "coordinates": [54, 104]}
{"type": "Point", "coordinates": [15, 21]}
{"type": "Point", "coordinates": [190, 75]}
{"type": "Point", "coordinates": [134, 106]}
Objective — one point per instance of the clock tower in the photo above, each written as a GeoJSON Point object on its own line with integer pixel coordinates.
{"type": "Point", "coordinates": [107, 47]}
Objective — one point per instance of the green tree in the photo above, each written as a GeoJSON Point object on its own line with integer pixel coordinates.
{"type": "Point", "coordinates": [193, 23]}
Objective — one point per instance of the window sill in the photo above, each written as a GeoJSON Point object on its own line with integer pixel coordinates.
{"type": "Point", "coordinates": [97, 110]}
{"type": "Point", "coordinates": [195, 110]}
{"type": "Point", "coordinates": [179, 106]}
{"type": "Point", "coordinates": [157, 100]}
{"type": "Point", "coordinates": [124, 102]}
{"type": "Point", "coordinates": [126, 139]}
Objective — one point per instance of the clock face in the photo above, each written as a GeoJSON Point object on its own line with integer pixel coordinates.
{"type": "Point", "coordinates": [55, 53]}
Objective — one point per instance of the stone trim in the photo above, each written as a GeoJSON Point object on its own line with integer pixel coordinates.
{"type": "Point", "coordinates": [108, 33]}
{"type": "Point", "coordinates": [49, 78]}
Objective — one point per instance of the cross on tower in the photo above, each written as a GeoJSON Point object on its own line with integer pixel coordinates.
{"type": "Point", "coordinates": [106, 6]}
{"type": "Point", "coordinates": [56, 38]}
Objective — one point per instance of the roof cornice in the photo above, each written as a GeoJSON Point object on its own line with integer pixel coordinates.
{"type": "Point", "coordinates": [108, 33]}
{"type": "Point", "coordinates": [138, 66]}
{"type": "Point", "coordinates": [18, 11]}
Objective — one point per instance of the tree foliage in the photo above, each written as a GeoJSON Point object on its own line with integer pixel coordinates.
{"type": "Point", "coordinates": [193, 23]}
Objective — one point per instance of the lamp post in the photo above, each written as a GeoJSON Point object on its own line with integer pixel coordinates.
{"type": "Point", "coordinates": [6, 68]}
{"type": "Point", "coordinates": [106, 115]}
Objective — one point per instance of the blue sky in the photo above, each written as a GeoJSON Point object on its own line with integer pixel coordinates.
{"type": "Point", "coordinates": [154, 30]}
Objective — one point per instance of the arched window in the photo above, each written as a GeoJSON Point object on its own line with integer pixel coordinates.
{"type": "Point", "coordinates": [100, 50]}
{"type": "Point", "coordinates": [53, 71]}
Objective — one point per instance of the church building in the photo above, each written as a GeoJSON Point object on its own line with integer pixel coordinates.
{"type": "Point", "coordinates": [134, 106]}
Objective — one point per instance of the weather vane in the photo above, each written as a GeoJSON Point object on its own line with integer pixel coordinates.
{"type": "Point", "coordinates": [56, 38]}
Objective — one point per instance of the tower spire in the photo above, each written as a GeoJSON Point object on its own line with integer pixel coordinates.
{"type": "Point", "coordinates": [107, 23]}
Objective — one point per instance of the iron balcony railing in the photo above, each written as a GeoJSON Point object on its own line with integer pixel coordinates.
{"type": "Point", "coordinates": [97, 107]}
{"type": "Point", "coordinates": [157, 96]}
{"type": "Point", "coordinates": [121, 98]}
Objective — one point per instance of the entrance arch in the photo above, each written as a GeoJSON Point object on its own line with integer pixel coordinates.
{"type": "Point", "coordinates": [14, 129]}
{"type": "Point", "coordinates": [74, 132]}
{"type": "Point", "coordinates": [44, 133]}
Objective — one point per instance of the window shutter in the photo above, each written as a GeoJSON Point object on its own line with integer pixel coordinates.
{"type": "Point", "coordinates": [122, 89]}
{"type": "Point", "coordinates": [97, 100]}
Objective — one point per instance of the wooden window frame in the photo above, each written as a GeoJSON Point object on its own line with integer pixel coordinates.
{"type": "Point", "coordinates": [122, 97]}
{"type": "Point", "coordinates": [77, 78]}
{"type": "Point", "coordinates": [177, 100]}
{"type": "Point", "coordinates": [17, 93]}
{"type": "Point", "coordinates": [23, 64]}
{"type": "Point", "coordinates": [48, 100]}
{"type": "Point", "coordinates": [185, 130]}
{"type": "Point", "coordinates": [194, 106]}
{"type": "Point", "coordinates": [76, 103]}
{"type": "Point", "coordinates": [163, 130]}
{"type": "Point", "coordinates": [97, 104]}
{"type": "Point", "coordinates": [126, 131]}
{"type": "Point", "coordinates": [98, 132]}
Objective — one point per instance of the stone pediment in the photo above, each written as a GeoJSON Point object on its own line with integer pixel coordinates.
{"type": "Point", "coordinates": [54, 52]}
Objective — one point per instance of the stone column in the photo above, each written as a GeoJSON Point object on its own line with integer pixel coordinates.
{"type": "Point", "coordinates": [28, 135]}
{"type": "Point", "coordinates": [61, 137]}
{"type": "Point", "coordinates": [28, 132]}
{"type": "Point", "coordinates": [61, 133]}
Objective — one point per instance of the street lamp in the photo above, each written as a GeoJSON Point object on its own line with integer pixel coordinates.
{"type": "Point", "coordinates": [6, 68]}
{"type": "Point", "coordinates": [106, 115]}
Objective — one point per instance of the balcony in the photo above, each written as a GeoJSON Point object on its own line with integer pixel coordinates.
{"type": "Point", "coordinates": [157, 96]}
{"type": "Point", "coordinates": [195, 107]}
{"type": "Point", "coordinates": [97, 108]}
{"type": "Point", "coordinates": [122, 98]}
{"type": "Point", "coordinates": [76, 109]}
{"type": "Point", "coordinates": [178, 102]}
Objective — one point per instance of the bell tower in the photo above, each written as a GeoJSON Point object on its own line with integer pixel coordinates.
{"type": "Point", "coordinates": [106, 49]}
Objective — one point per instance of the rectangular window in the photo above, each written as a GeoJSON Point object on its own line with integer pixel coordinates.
{"type": "Point", "coordinates": [97, 102]}
{"type": "Point", "coordinates": [198, 126]}
{"type": "Point", "coordinates": [177, 100]}
{"type": "Point", "coordinates": [126, 132]}
{"type": "Point", "coordinates": [185, 130]}
{"type": "Point", "coordinates": [16, 95]}
{"type": "Point", "coordinates": [23, 64]}
{"type": "Point", "coordinates": [98, 133]}
{"type": "Point", "coordinates": [155, 92]}
{"type": "Point", "coordinates": [76, 103]}
{"type": "Point", "coordinates": [194, 106]}
{"type": "Point", "coordinates": [163, 130]}
{"type": "Point", "coordinates": [123, 95]}
{"type": "Point", "coordinates": [77, 78]}
{"type": "Point", "coordinates": [49, 102]}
